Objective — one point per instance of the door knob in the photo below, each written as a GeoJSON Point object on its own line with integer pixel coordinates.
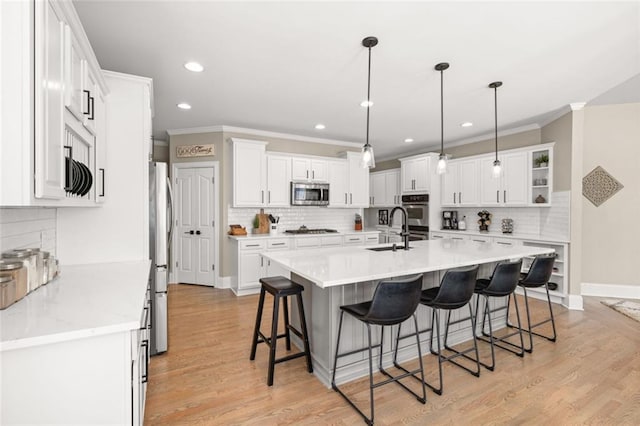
{"type": "Point", "coordinates": [197, 232]}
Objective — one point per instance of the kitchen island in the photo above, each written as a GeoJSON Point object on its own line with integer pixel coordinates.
{"type": "Point", "coordinates": [343, 275]}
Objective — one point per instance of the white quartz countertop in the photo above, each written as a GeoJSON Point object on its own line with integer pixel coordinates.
{"type": "Point", "coordinates": [515, 236]}
{"type": "Point", "coordinates": [84, 301]}
{"type": "Point", "coordinates": [283, 235]}
{"type": "Point", "coordinates": [327, 267]}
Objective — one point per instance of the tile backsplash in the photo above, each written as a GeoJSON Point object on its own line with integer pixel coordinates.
{"type": "Point", "coordinates": [294, 217]}
{"type": "Point", "coordinates": [28, 227]}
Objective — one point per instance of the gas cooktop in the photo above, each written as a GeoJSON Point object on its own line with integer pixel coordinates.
{"type": "Point", "coordinates": [305, 230]}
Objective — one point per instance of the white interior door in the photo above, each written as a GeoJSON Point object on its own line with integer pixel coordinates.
{"type": "Point", "coordinates": [195, 226]}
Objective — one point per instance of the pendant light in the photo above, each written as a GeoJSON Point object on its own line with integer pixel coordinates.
{"type": "Point", "coordinates": [368, 159]}
{"type": "Point", "coordinates": [442, 159]}
{"type": "Point", "coordinates": [497, 167]}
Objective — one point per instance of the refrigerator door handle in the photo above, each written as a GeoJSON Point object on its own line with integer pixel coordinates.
{"type": "Point", "coordinates": [171, 212]}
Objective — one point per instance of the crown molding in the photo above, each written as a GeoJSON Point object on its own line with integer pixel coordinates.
{"type": "Point", "coordinates": [577, 106]}
{"type": "Point", "coordinates": [261, 133]}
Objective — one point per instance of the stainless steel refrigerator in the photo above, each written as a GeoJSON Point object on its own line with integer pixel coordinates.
{"type": "Point", "coordinates": [160, 228]}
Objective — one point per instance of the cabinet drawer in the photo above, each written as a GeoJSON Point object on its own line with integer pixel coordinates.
{"type": "Point", "coordinates": [279, 243]}
{"type": "Point", "coordinates": [478, 239]}
{"type": "Point", "coordinates": [333, 240]}
{"type": "Point", "coordinates": [354, 239]}
{"type": "Point", "coordinates": [371, 238]}
{"type": "Point", "coordinates": [253, 245]}
{"type": "Point", "coordinates": [438, 236]}
{"type": "Point", "coordinates": [507, 242]}
{"type": "Point", "coordinates": [308, 242]}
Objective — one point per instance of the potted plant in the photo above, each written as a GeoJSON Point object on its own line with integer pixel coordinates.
{"type": "Point", "coordinates": [542, 160]}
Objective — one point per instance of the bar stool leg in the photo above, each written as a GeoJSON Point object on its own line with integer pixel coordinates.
{"type": "Point", "coordinates": [285, 308]}
{"type": "Point", "coordinates": [273, 340]}
{"type": "Point", "coordinates": [335, 358]}
{"type": "Point", "coordinates": [305, 334]}
{"type": "Point", "coordinates": [254, 342]}
{"type": "Point", "coordinates": [370, 420]}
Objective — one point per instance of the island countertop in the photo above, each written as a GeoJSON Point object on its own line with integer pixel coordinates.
{"type": "Point", "coordinates": [328, 267]}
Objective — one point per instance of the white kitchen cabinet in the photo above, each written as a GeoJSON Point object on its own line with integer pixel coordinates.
{"type": "Point", "coordinates": [385, 188]}
{"type": "Point", "coordinates": [338, 183]}
{"type": "Point", "coordinates": [251, 266]}
{"type": "Point", "coordinates": [541, 179]}
{"type": "Point", "coordinates": [44, 69]}
{"type": "Point", "coordinates": [99, 178]}
{"type": "Point", "coordinates": [460, 184]}
{"type": "Point", "coordinates": [358, 181]}
{"type": "Point", "coordinates": [415, 174]}
{"type": "Point", "coordinates": [278, 180]}
{"type": "Point", "coordinates": [309, 169]}
{"type": "Point", "coordinates": [249, 173]}
{"type": "Point", "coordinates": [510, 189]}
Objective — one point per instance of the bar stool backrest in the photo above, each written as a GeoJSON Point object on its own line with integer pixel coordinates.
{"type": "Point", "coordinates": [456, 287]}
{"type": "Point", "coordinates": [395, 301]}
{"type": "Point", "coordinates": [540, 271]}
{"type": "Point", "coordinates": [504, 279]}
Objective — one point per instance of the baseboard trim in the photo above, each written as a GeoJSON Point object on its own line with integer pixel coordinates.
{"type": "Point", "coordinates": [224, 282]}
{"type": "Point", "coordinates": [574, 302]}
{"type": "Point", "coordinates": [621, 291]}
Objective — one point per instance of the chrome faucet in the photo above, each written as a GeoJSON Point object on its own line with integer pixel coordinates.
{"type": "Point", "coordinates": [405, 229]}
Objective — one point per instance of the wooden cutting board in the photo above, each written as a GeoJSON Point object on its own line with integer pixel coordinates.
{"type": "Point", "coordinates": [263, 220]}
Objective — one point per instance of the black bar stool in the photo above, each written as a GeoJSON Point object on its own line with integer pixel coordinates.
{"type": "Point", "coordinates": [455, 291]}
{"type": "Point", "coordinates": [502, 283]}
{"type": "Point", "coordinates": [280, 288]}
{"type": "Point", "coordinates": [538, 276]}
{"type": "Point", "coordinates": [393, 302]}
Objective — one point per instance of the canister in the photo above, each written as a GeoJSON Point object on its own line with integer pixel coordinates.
{"type": "Point", "coordinates": [7, 291]}
{"type": "Point", "coordinates": [17, 269]}
{"type": "Point", "coordinates": [42, 274]}
{"type": "Point", "coordinates": [46, 267]}
{"type": "Point", "coordinates": [31, 262]}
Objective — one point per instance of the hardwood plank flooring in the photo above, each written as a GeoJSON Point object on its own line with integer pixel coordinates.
{"type": "Point", "coordinates": [590, 376]}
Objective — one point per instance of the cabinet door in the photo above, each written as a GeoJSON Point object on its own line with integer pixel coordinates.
{"type": "Point", "coordinates": [449, 193]}
{"type": "Point", "coordinates": [468, 192]}
{"type": "Point", "coordinates": [49, 127]}
{"type": "Point", "coordinates": [272, 269]}
{"type": "Point", "coordinates": [338, 183]}
{"type": "Point", "coordinates": [91, 92]}
{"type": "Point", "coordinates": [489, 186]}
{"type": "Point", "coordinates": [407, 175]}
{"type": "Point", "coordinates": [358, 181]}
{"type": "Point", "coordinates": [278, 180]}
{"type": "Point", "coordinates": [319, 170]}
{"type": "Point", "coordinates": [422, 175]}
{"type": "Point", "coordinates": [392, 185]}
{"type": "Point", "coordinates": [515, 179]}
{"type": "Point", "coordinates": [300, 169]}
{"type": "Point", "coordinates": [251, 269]}
{"type": "Point", "coordinates": [249, 175]}
{"type": "Point", "coordinates": [378, 187]}
{"type": "Point", "coordinates": [74, 76]}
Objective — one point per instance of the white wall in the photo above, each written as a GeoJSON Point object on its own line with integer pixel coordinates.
{"type": "Point", "coordinates": [33, 227]}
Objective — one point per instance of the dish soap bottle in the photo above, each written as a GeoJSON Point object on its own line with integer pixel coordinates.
{"type": "Point", "coordinates": [462, 225]}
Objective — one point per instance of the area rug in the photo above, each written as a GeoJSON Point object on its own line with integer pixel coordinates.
{"type": "Point", "coordinates": [625, 307]}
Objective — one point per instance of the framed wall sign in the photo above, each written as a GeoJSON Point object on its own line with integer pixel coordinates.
{"type": "Point", "coordinates": [194, 151]}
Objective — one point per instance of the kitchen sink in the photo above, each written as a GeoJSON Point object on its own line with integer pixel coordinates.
{"type": "Point", "coordinates": [390, 248]}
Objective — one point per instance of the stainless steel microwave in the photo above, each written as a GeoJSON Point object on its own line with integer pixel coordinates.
{"type": "Point", "coordinates": [309, 194]}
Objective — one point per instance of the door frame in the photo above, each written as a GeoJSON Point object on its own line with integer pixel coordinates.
{"type": "Point", "coordinates": [215, 165]}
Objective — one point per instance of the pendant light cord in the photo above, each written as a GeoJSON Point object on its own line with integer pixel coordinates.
{"type": "Point", "coordinates": [441, 112]}
{"type": "Point", "coordinates": [495, 90]}
{"type": "Point", "coordinates": [368, 94]}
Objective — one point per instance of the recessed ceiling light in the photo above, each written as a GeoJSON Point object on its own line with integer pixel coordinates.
{"type": "Point", "coordinates": [366, 103]}
{"type": "Point", "coordinates": [408, 140]}
{"type": "Point", "coordinates": [466, 124]}
{"type": "Point", "coordinates": [183, 105]}
{"type": "Point", "coordinates": [320, 126]}
{"type": "Point", "coordinates": [194, 66]}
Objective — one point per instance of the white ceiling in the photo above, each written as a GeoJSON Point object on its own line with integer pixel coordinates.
{"type": "Point", "coordinates": [285, 66]}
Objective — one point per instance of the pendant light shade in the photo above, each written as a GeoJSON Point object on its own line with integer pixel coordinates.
{"type": "Point", "coordinates": [497, 166]}
{"type": "Point", "coordinates": [441, 168]}
{"type": "Point", "coordinates": [368, 159]}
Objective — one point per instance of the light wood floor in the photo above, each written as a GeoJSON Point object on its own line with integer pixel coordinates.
{"type": "Point", "coordinates": [590, 376]}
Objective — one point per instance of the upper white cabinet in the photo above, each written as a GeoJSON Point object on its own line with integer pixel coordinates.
{"type": "Point", "coordinates": [338, 183]}
{"type": "Point", "coordinates": [385, 188]}
{"type": "Point", "coordinates": [460, 184]}
{"type": "Point", "coordinates": [415, 173]}
{"type": "Point", "coordinates": [541, 178]}
{"type": "Point", "coordinates": [309, 169]}
{"type": "Point", "coordinates": [249, 173]}
{"type": "Point", "coordinates": [278, 180]}
{"type": "Point", "coordinates": [358, 181]}
{"type": "Point", "coordinates": [511, 188]}
{"type": "Point", "coordinates": [56, 93]}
